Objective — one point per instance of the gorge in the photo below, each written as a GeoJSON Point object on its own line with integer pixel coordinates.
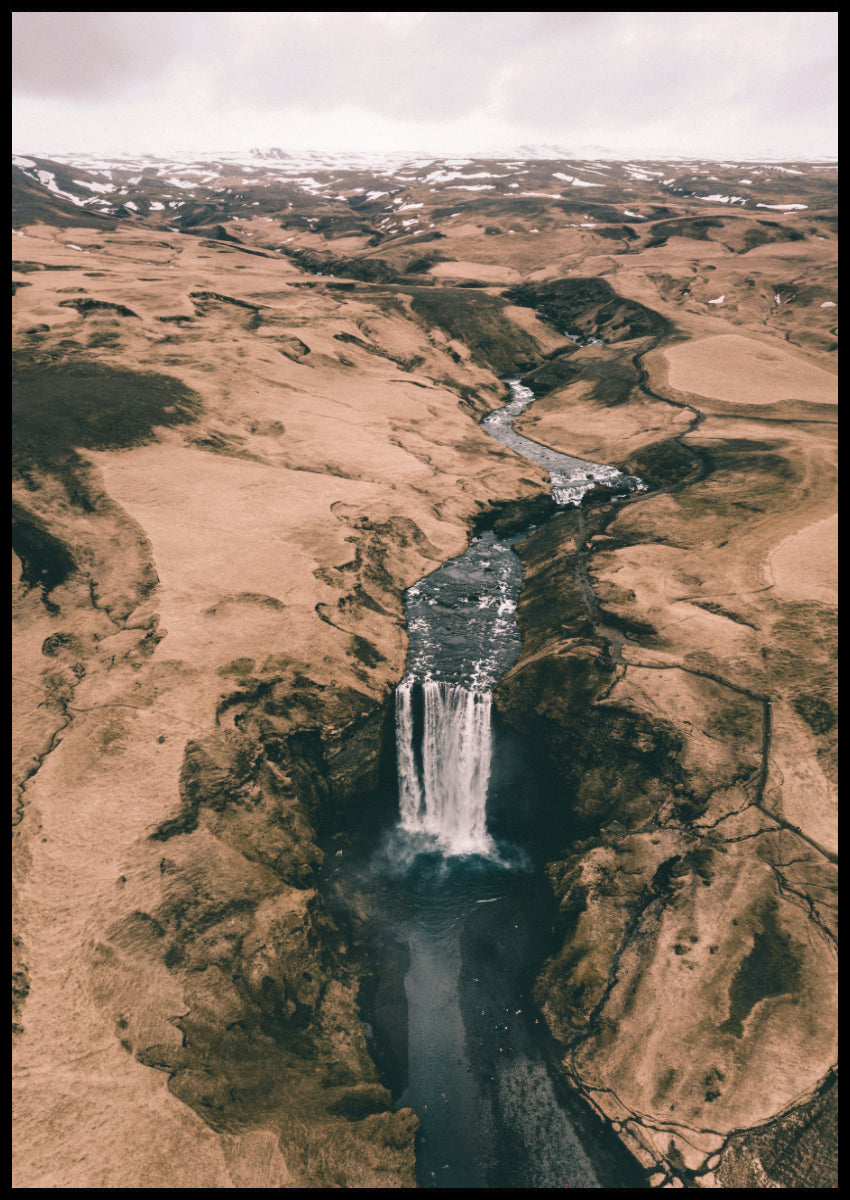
{"type": "Point", "coordinates": [475, 1131]}
{"type": "Point", "coordinates": [248, 423]}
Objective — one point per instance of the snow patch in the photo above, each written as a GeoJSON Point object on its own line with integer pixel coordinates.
{"type": "Point", "coordinates": [715, 198]}
{"type": "Point", "coordinates": [48, 179]}
{"type": "Point", "coordinates": [574, 180]}
{"type": "Point", "coordinates": [95, 187]}
{"type": "Point", "coordinates": [647, 176]}
{"type": "Point", "coordinates": [441, 176]}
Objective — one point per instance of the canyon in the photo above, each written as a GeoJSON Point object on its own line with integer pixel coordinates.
{"type": "Point", "coordinates": [248, 405]}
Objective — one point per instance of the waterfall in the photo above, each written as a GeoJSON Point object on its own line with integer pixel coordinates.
{"type": "Point", "coordinates": [480, 1086]}
{"type": "Point", "coordinates": [463, 638]}
{"type": "Point", "coordinates": [443, 787]}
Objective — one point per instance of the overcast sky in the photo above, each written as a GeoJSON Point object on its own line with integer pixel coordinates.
{"type": "Point", "coordinates": [704, 84]}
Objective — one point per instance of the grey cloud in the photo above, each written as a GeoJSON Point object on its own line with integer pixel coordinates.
{"type": "Point", "coordinates": [437, 66]}
{"type": "Point", "coordinates": [642, 69]}
{"type": "Point", "coordinates": [94, 56]}
{"type": "Point", "coordinates": [552, 73]}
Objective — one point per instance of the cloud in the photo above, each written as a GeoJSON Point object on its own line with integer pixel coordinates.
{"type": "Point", "coordinates": [435, 65]}
{"type": "Point", "coordinates": [97, 56]}
{"type": "Point", "coordinates": [695, 68]}
{"type": "Point", "coordinates": [711, 82]}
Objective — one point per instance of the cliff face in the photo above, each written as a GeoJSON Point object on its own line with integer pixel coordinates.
{"type": "Point", "coordinates": [227, 469]}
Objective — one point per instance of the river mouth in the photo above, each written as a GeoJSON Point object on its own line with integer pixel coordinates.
{"type": "Point", "coordinates": [459, 914]}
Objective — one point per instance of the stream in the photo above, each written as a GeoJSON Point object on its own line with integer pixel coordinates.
{"type": "Point", "coordinates": [463, 913]}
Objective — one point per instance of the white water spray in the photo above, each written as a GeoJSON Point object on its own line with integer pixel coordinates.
{"type": "Point", "coordinates": [443, 791]}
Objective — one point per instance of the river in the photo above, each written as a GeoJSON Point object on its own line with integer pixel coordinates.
{"type": "Point", "coordinates": [464, 913]}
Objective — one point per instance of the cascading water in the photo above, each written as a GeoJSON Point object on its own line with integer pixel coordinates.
{"type": "Point", "coordinates": [571, 477]}
{"type": "Point", "coordinates": [463, 638]}
{"type": "Point", "coordinates": [444, 794]}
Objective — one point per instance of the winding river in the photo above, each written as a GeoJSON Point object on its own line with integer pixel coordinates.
{"type": "Point", "coordinates": [466, 911]}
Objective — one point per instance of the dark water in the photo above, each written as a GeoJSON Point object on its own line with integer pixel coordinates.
{"type": "Point", "coordinates": [490, 1114]}
{"type": "Point", "coordinates": [460, 940]}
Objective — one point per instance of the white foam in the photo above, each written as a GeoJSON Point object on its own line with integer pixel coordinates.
{"type": "Point", "coordinates": [444, 796]}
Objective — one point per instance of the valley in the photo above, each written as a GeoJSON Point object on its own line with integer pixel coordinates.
{"type": "Point", "coordinates": [248, 405]}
